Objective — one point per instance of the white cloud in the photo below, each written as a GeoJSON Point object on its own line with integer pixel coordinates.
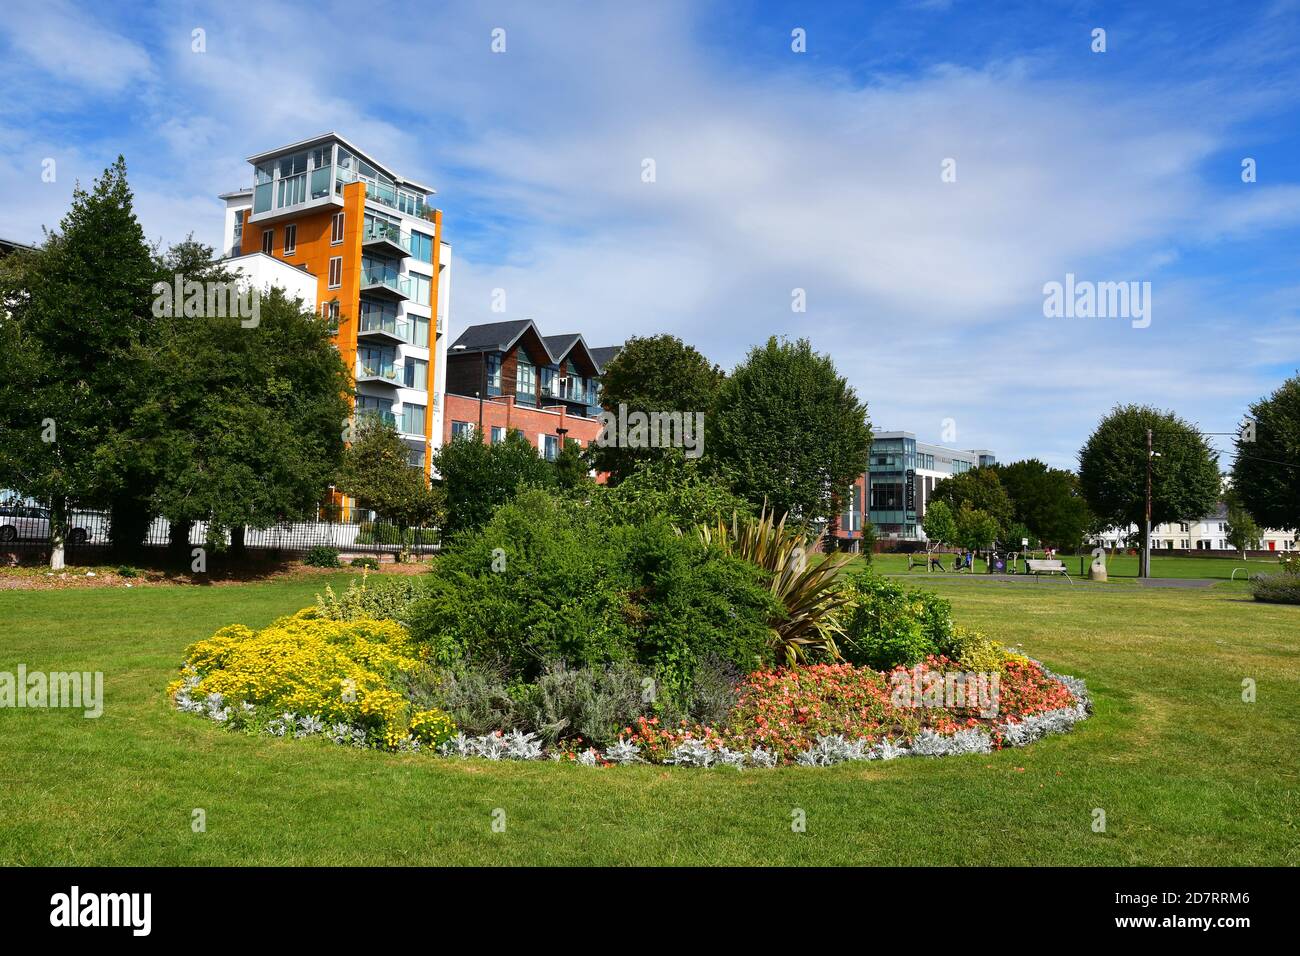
{"type": "Point", "coordinates": [927, 293]}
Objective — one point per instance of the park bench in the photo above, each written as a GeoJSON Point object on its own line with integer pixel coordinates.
{"type": "Point", "coordinates": [1046, 567]}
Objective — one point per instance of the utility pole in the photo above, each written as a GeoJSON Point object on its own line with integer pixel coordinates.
{"type": "Point", "coordinates": [1146, 532]}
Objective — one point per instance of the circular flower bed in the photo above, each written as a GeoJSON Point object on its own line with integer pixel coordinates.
{"type": "Point", "coordinates": [350, 682]}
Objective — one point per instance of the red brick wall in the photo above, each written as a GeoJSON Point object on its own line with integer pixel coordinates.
{"type": "Point", "coordinates": [530, 421]}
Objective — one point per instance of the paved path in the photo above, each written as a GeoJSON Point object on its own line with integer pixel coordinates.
{"type": "Point", "coordinates": [1030, 580]}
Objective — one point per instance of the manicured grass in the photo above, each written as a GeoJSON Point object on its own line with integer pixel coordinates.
{"type": "Point", "coordinates": [1185, 771]}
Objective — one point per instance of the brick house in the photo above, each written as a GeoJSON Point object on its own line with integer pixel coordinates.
{"type": "Point", "coordinates": [503, 375]}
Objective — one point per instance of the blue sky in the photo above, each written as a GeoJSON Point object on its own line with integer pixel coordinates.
{"type": "Point", "coordinates": [775, 171]}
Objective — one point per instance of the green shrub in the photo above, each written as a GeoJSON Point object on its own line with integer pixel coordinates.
{"type": "Point", "coordinates": [385, 599]}
{"type": "Point", "coordinates": [889, 624]}
{"type": "Point", "coordinates": [477, 698]}
{"type": "Point", "coordinates": [126, 571]}
{"type": "Point", "coordinates": [1277, 588]}
{"type": "Point", "coordinates": [673, 487]}
{"type": "Point", "coordinates": [322, 557]}
{"type": "Point", "coordinates": [550, 580]}
{"type": "Point", "coordinates": [367, 562]}
{"type": "Point", "coordinates": [594, 703]}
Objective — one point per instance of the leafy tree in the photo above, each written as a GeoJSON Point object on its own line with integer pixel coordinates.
{"type": "Point", "coordinates": [1243, 533]}
{"type": "Point", "coordinates": [982, 490]}
{"type": "Point", "coordinates": [655, 374]}
{"type": "Point", "coordinates": [1112, 468]}
{"type": "Point", "coordinates": [1046, 502]}
{"type": "Point", "coordinates": [976, 528]}
{"type": "Point", "coordinates": [572, 465]}
{"type": "Point", "coordinates": [677, 488]}
{"type": "Point", "coordinates": [243, 426]}
{"type": "Point", "coordinates": [1016, 533]}
{"type": "Point", "coordinates": [72, 365]}
{"type": "Point", "coordinates": [788, 430]}
{"type": "Point", "coordinates": [479, 477]}
{"type": "Point", "coordinates": [1266, 471]}
{"type": "Point", "coordinates": [939, 524]}
{"type": "Point", "coordinates": [376, 470]}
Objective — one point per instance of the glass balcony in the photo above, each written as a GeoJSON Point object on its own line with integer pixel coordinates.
{"type": "Point", "coordinates": [384, 325]}
{"type": "Point", "coordinates": [399, 199]}
{"type": "Point", "coordinates": [386, 239]}
{"type": "Point", "coordinates": [383, 371]}
{"type": "Point", "coordinates": [375, 414]}
{"type": "Point", "coordinates": [385, 282]}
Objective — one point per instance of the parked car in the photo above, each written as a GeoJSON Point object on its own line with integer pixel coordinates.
{"type": "Point", "coordinates": [28, 523]}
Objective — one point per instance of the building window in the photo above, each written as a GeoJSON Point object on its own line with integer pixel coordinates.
{"type": "Point", "coordinates": [498, 434]}
{"type": "Point", "coordinates": [493, 373]}
{"type": "Point", "coordinates": [419, 288]}
{"type": "Point", "coordinates": [417, 330]}
{"type": "Point", "coordinates": [422, 246]}
{"type": "Point", "coordinates": [412, 419]}
{"type": "Point", "coordinates": [239, 229]}
{"type": "Point", "coordinates": [336, 272]}
{"type": "Point", "coordinates": [330, 312]}
{"type": "Point", "coordinates": [548, 376]}
{"type": "Point", "coordinates": [550, 447]}
{"type": "Point", "coordinates": [525, 384]}
{"type": "Point", "coordinates": [336, 228]}
{"type": "Point", "coordinates": [461, 430]}
{"type": "Point", "coordinates": [268, 241]}
{"type": "Point", "coordinates": [290, 239]}
{"type": "Point", "coordinates": [417, 374]}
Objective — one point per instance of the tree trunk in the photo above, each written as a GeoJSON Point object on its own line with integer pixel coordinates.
{"type": "Point", "coordinates": [238, 548]}
{"type": "Point", "coordinates": [58, 528]}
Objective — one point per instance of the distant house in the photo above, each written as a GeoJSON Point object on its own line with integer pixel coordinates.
{"type": "Point", "coordinates": [504, 375]}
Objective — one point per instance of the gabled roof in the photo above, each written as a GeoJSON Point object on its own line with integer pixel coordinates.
{"type": "Point", "coordinates": [493, 336]}
{"type": "Point", "coordinates": [559, 345]}
{"type": "Point", "coordinates": [604, 354]}
{"type": "Point", "coordinates": [503, 336]}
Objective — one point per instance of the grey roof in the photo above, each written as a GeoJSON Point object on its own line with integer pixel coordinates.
{"type": "Point", "coordinates": [501, 336]}
{"type": "Point", "coordinates": [492, 336]}
{"type": "Point", "coordinates": [559, 345]}
{"type": "Point", "coordinates": [9, 245]}
{"type": "Point", "coordinates": [604, 354]}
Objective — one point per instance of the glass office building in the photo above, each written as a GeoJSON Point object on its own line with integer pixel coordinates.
{"type": "Point", "coordinates": [901, 475]}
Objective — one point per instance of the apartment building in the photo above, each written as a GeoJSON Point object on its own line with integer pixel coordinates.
{"type": "Point", "coordinates": [504, 375]}
{"type": "Point", "coordinates": [371, 245]}
{"type": "Point", "coordinates": [901, 476]}
{"type": "Point", "coordinates": [1209, 533]}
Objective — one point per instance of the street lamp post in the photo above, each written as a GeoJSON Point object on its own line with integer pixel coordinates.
{"type": "Point", "coordinates": [1146, 531]}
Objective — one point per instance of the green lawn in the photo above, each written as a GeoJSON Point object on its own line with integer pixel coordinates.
{"type": "Point", "coordinates": [1186, 772]}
